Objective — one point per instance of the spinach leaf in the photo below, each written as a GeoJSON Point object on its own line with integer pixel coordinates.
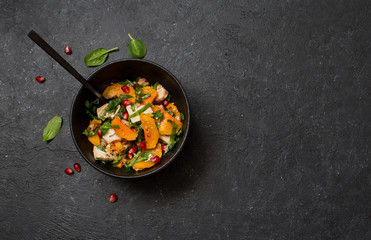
{"type": "Point", "coordinates": [162, 141]}
{"type": "Point", "coordinates": [101, 148]}
{"type": "Point", "coordinates": [97, 56]}
{"type": "Point", "coordinates": [144, 96]}
{"type": "Point", "coordinates": [117, 160]}
{"type": "Point", "coordinates": [182, 116]}
{"type": "Point", "coordinates": [136, 48]}
{"type": "Point", "coordinates": [139, 111]}
{"type": "Point", "coordinates": [136, 156]}
{"type": "Point", "coordinates": [91, 108]}
{"type": "Point", "coordinates": [105, 127]}
{"type": "Point", "coordinates": [52, 128]}
{"type": "Point", "coordinates": [132, 107]}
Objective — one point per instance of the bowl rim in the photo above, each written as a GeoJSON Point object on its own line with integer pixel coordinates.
{"type": "Point", "coordinates": [185, 133]}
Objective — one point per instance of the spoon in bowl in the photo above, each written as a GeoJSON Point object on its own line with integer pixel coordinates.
{"type": "Point", "coordinates": [49, 50]}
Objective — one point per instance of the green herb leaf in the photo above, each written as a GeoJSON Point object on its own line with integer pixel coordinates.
{"type": "Point", "coordinates": [136, 48]}
{"type": "Point", "coordinates": [97, 56]}
{"type": "Point", "coordinates": [101, 148]}
{"type": "Point", "coordinates": [105, 127]}
{"type": "Point", "coordinates": [126, 82]}
{"type": "Point", "coordinates": [172, 136]}
{"type": "Point", "coordinates": [139, 111]}
{"type": "Point", "coordinates": [90, 133]}
{"type": "Point", "coordinates": [182, 116]}
{"type": "Point", "coordinates": [132, 107]}
{"type": "Point", "coordinates": [144, 96]}
{"type": "Point", "coordinates": [52, 128]}
{"type": "Point", "coordinates": [116, 126]}
{"type": "Point", "coordinates": [115, 102]}
{"type": "Point", "coordinates": [158, 115]}
{"type": "Point", "coordinates": [162, 141]}
{"type": "Point", "coordinates": [117, 160]}
{"type": "Point", "coordinates": [155, 86]}
{"type": "Point", "coordinates": [134, 159]}
{"type": "Point", "coordinates": [170, 112]}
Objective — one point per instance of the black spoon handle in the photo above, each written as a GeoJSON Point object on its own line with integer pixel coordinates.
{"type": "Point", "coordinates": [49, 50]}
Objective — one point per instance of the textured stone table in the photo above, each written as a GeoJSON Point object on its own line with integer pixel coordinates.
{"type": "Point", "coordinates": [281, 125]}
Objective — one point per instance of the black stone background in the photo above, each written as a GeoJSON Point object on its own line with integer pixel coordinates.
{"type": "Point", "coordinates": [280, 141]}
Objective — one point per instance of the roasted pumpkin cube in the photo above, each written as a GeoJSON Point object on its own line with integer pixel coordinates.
{"type": "Point", "coordinates": [151, 133]}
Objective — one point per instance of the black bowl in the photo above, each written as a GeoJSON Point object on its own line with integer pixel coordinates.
{"type": "Point", "coordinates": [119, 71]}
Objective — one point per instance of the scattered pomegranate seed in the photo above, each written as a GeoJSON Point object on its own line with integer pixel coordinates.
{"type": "Point", "coordinates": [68, 171]}
{"type": "Point", "coordinates": [77, 167]}
{"type": "Point", "coordinates": [163, 148]}
{"type": "Point", "coordinates": [129, 155]}
{"type": "Point", "coordinates": [142, 145]}
{"type": "Point", "coordinates": [67, 50]}
{"type": "Point", "coordinates": [113, 198]}
{"type": "Point", "coordinates": [126, 103]}
{"type": "Point", "coordinates": [125, 89]}
{"type": "Point", "coordinates": [165, 103]}
{"type": "Point", "coordinates": [40, 79]}
{"type": "Point", "coordinates": [133, 149]}
{"type": "Point", "coordinates": [125, 115]}
{"type": "Point", "coordinates": [99, 132]}
{"type": "Point", "coordinates": [155, 159]}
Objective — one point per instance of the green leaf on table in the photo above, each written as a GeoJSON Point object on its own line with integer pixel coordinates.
{"type": "Point", "coordinates": [136, 48]}
{"type": "Point", "coordinates": [52, 128]}
{"type": "Point", "coordinates": [97, 56]}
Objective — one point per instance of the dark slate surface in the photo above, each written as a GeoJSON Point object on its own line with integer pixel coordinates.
{"type": "Point", "coordinates": [280, 140]}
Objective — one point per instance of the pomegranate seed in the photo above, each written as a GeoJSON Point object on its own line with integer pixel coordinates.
{"type": "Point", "coordinates": [77, 167]}
{"type": "Point", "coordinates": [67, 50]}
{"type": "Point", "coordinates": [113, 198]}
{"type": "Point", "coordinates": [142, 145]}
{"type": "Point", "coordinates": [125, 89]}
{"type": "Point", "coordinates": [129, 155]}
{"type": "Point", "coordinates": [163, 148]}
{"type": "Point", "coordinates": [68, 171]}
{"type": "Point", "coordinates": [133, 149]}
{"type": "Point", "coordinates": [165, 103]}
{"type": "Point", "coordinates": [125, 115]}
{"type": "Point", "coordinates": [155, 159]}
{"type": "Point", "coordinates": [40, 79]}
{"type": "Point", "coordinates": [126, 103]}
{"type": "Point", "coordinates": [99, 132]}
{"type": "Point", "coordinates": [133, 129]}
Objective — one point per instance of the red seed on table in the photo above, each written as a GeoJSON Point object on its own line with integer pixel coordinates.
{"type": "Point", "coordinates": [99, 132]}
{"type": "Point", "coordinates": [77, 167]}
{"type": "Point", "coordinates": [125, 89]}
{"type": "Point", "coordinates": [125, 115]}
{"type": "Point", "coordinates": [155, 159]}
{"type": "Point", "coordinates": [126, 103]}
{"type": "Point", "coordinates": [113, 198]}
{"type": "Point", "coordinates": [133, 149]}
{"type": "Point", "coordinates": [67, 50]}
{"type": "Point", "coordinates": [165, 103]}
{"type": "Point", "coordinates": [68, 171]}
{"type": "Point", "coordinates": [40, 79]}
{"type": "Point", "coordinates": [129, 155]}
{"type": "Point", "coordinates": [142, 145]}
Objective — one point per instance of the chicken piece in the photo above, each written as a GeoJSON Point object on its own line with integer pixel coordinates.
{"type": "Point", "coordinates": [111, 136]}
{"type": "Point", "coordinates": [165, 138]}
{"type": "Point", "coordinates": [101, 155]}
{"type": "Point", "coordinates": [143, 82]}
{"type": "Point", "coordinates": [161, 93]}
{"type": "Point", "coordinates": [102, 113]}
{"type": "Point", "coordinates": [138, 107]}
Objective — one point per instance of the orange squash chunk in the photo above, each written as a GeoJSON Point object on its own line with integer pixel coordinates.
{"type": "Point", "coordinates": [151, 133]}
{"type": "Point", "coordinates": [118, 147]}
{"type": "Point", "coordinates": [115, 91]}
{"type": "Point", "coordinates": [165, 126]}
{"type": "Point", "coordinates": [122, 130]}
{"type": "Point", "coordinates": [94, 140]}
{"type": "Point", "coordinates": [150, 90]}
{"type": "Point", "coordinates": [175, 110]}
{"type": "Point", "coordinates": [157, 151]}
{"type": "Point", "coordinates": [147, 164]}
